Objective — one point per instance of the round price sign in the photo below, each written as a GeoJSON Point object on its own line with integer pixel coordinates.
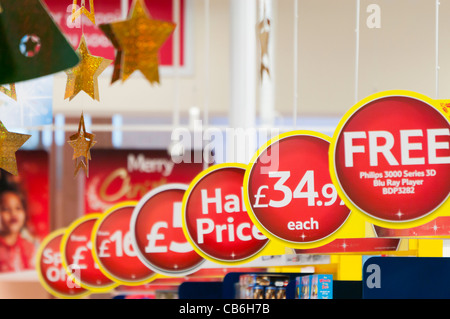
{"type": "Point", "coordinates": [289, 193]}
{"type": "Point", "coordinates": [77, 259]}
{"type": "Point", "coordinates": [158, 238]}
{"type": "Point", "coordinates": [390, 159]}
{"type": "Point", "coordinates": [52, 275]}
{"type": "Point", "coordinates": [113, 249]}
{"type": "Point", "coordinates": [215, 219]}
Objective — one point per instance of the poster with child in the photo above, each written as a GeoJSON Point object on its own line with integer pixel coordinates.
{"type": "Point", "coordinates": [24, 211]}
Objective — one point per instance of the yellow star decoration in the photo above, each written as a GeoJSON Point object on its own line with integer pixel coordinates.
{"type": "Point", "coordinates": [82, 142]}
{"type": "Point", "coordinates": [9, 144]}
{"type": "Point", "coordinates": [140, 38]}
{"type": "Point", "coordinates": [84, 76]}
{"type": "Point", "coordinates": [11, 92]}
{"type": "Point", "coordinates": [82, 10]}
{"type": "Point", "coordinates": [263, 29]}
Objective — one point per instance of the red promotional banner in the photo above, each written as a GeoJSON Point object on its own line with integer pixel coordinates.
{"type": "Point", "coordinates": [157, 232]}
{"type": "Point", "coordinates": [106, 11]}
{"type": "Point", "coordinates": [127, 175]}
{"type": "Point", "coordinates": [289, 192]}
{"type": "Point", "coordinates": [52, 275]}
{"type": "Point", "coordinates": [113, 247]}
{"type": "Point", "coordinates": [77, 258]}
{"type": "Point", "coordinates": [215, 220]}
{"type": "Point", "coordinates": [390, 159]}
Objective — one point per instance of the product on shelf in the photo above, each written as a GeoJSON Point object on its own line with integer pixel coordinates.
{"type": "Point", "coordinates": [314, 287]}
{"type": "Point", "coordinates": [263, 286]}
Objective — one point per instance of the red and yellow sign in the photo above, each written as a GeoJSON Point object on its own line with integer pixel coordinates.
{"type": "Point", "coordinates": [289, 193]}
{"type": "Point", "coordinates": [52, 275]}
{"type": "Point", "coordinates": [390, 159]}
{"type": "Point", "coordinates": [77, 258]}
{"type": "Point", "coordinates": [158, 238]}
{"type": "Point", "coordinates": [215, 219]}
{"type": "Point", "coordinates": [113, 250]}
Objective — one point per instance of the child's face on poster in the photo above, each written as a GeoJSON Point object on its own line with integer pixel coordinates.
{"type": "Point", "coordinates": [12, 213]}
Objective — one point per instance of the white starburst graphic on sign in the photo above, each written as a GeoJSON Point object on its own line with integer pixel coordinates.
{"type": "Point", "coordinates": [435, 227]}
{"type": "Point", "coordinates": [399, 214]}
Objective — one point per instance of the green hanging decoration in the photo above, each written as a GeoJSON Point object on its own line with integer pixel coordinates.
{"type": "Point", "coordinates": [31, 44]}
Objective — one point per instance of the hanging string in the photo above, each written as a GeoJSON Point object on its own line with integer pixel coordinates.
{"type": "Point", "coordinates": [207, 78]}
{"type": "Point", "coordinates": [176, 62]}
{"type": "Point", "coordinates": [295, 64]}
{"type": "Point", "coordinates": [206, 101]}
{"type": "Point", "coordinates": [437, 49]}
{"type": "Point", "coordinates": [358, 12]}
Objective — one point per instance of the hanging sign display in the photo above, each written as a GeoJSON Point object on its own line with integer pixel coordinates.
{"type": "Point", "coordinates": [289, 193]}
{"type": "Point", "coordinates": [157, 233]}
{"type": "Point", "coordinates": [77, 258]}
{"type": "Point", "coordinates": [52, 275]}
{"type": "Point", "coordinates": [390, 159]}
{"type": "Point", "coordinates": [215, 218]}
{"type": "Point", "coordinates": [113, 250]}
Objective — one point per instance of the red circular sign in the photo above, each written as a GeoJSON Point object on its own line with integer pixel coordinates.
{"type": "Point", "coordinates": [51, 272]}
{"type": "Point", "coordinates": [77, 259]}
{"type": "Point", "coordinates": [113, 247]}
{"type": "Point", "coordinates": [392, 158]}
{"type": "Point", "coordinates": [215, 217]}
{"type": "Point", "coordinates": [156, 227]}
{"type": "Point", "coordinates": [290, 191]}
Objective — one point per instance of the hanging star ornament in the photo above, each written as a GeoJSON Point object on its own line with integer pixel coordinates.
{"type": "Point", "coordinates": [81, 142]}
{"type": "Point", "coordinates": [138, 40]}
{"type": "Point", "coordinates": [82, 10]}
{"type": "Point", "coordinates": [9, 144]}
{"type": "Point", "coordinates": [263, 29]}
{"type": "Point", "coordinates": [11, 92]}
{"type": "Point", "coordinates": [84, 76]}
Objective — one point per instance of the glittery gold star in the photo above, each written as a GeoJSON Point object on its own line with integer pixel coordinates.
{"type": "Point", "coordinates": [140, 38]}
{"type": "Point", "coordinates": [263, 29]}
{"type": "Point", "coordinates": [82, 10]}
{"type": "Point", "coordinates": [117, 72]}
{"type": "Point", "coordinates": [84, 76]}
{"type": "Point", "coordinates": [82, 142]}
{"type": "Point", "coordinates": [11, 92]}
{"type": "Point", "coordinates": [9, 144]}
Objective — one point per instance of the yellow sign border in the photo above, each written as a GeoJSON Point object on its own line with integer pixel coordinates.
{"type": "Point", "coordinates": [376, 221]}
{"type": "Point", "coordinates": [191, 186]}
{"type": "Point", "coordinates": [39, 253]}
{"type": "Point", "coordinates": [338, 233]}
{"type": "Point", "coordinates": [66, 235]}
{"type": "Point", "coordinates": [103, 269]}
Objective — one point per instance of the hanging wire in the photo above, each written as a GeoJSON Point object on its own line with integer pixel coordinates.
{"type": "Point", "coordinates": [176, 62]}
{"type": "Point", "coordinates": [295, 65]}
{"type": "Point", "coordinates": [358, 12]}
{"type": "Point", "coordinates": [437, 49]}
